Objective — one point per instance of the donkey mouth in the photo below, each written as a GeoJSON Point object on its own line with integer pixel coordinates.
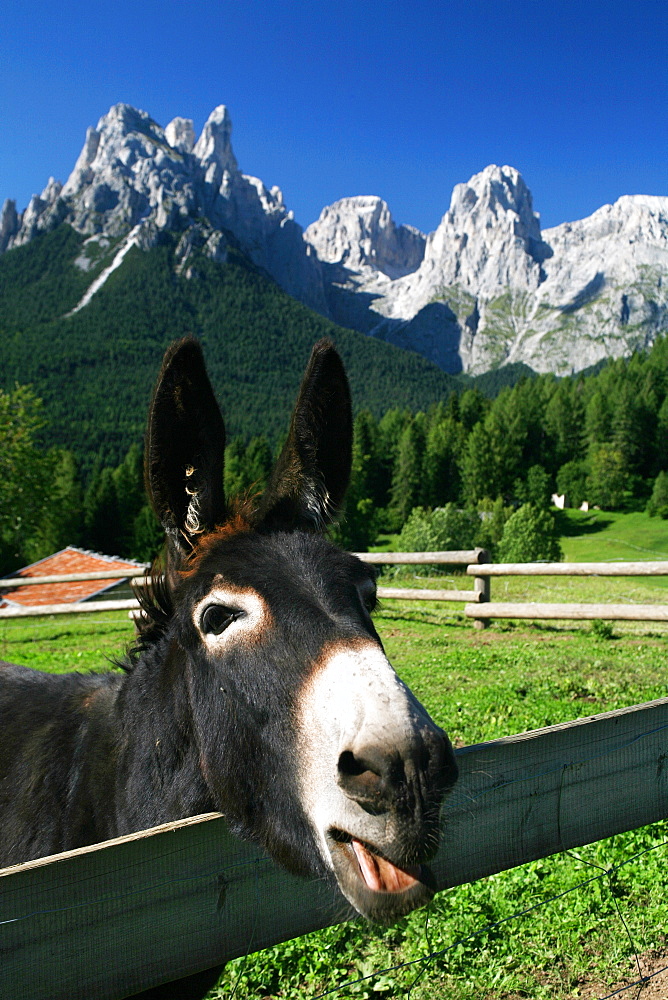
{"type": "Point", "coordinates": [377, 887]}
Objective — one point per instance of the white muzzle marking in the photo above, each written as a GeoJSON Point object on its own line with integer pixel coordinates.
{"type": "Point", "coordinates": [353, 700]}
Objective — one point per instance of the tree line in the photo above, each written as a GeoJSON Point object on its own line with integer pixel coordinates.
{"type": "Point", "coordinates": [452, 476]}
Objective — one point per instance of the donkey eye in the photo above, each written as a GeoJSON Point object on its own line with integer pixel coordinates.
{"type": "Point", "coordinates": [217, 617]}
{"type": "Point", "coordinates": [367, 591]}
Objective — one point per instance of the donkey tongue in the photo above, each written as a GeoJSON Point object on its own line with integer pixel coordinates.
{"type": "Point", "coordinates": [381, 875]}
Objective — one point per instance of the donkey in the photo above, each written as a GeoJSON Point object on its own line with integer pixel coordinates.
{"type": "Point", "coordinates": [257, 686]}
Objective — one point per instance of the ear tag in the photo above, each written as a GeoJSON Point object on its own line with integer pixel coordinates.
{"type": "Point", "coordinates": [192, 520]}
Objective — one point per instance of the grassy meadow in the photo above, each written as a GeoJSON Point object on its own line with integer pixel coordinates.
{"type": "Point", "coordinates": [565, 926]}
{"type": "Point", "coordinates": [605, 536]}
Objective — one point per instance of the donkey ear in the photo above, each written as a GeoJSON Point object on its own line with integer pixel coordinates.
{"type": "Point", "coordinates": [185, 448]}
{"type": "Point", "coordinates": [309, 481]}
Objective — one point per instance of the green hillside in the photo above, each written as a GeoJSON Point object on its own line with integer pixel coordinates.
{"type": "Point", "coordinates": [94, 370]}
{"type": "Point", "coordinates": [611, 536]}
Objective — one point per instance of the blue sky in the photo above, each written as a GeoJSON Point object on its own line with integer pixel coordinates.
{"type": "Point", "coordinates": [328, 99]}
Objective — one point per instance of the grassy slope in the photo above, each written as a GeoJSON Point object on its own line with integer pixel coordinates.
{"type": "Point", "coordinates": [508, 679]}
{"type": "Point", "coordinates": [605, 536]}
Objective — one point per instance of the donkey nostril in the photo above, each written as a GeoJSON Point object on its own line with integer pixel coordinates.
{"type": "Point", "coordinates": [360, 780]}
{"type": "Point", "coordinates": [349, 764]}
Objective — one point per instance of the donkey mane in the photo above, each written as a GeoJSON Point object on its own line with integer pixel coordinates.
{"type": "Point", "coordinates": [156, 602]}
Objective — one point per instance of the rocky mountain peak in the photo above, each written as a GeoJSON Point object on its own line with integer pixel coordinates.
{"type": "Point", "coordinates": [493, 289]}
{"type": "Point", "coordinates": [180, 134]}
{"type": "Point", "coordinates": [637, 218]}
{"type": "Point", "coordinates": [497, 195]}
{"type": "Point", "coordinates": [133, 179]}
{"type": "Point", "coordinates": [484, 289]}
{"type": "Point", "coordinates": [489, 240]}
{"type": "Point", "coordinates": [9, 223]}
{"type": "Point", "coordinates": [214, 147]}
{"type": "Point", "coordinates": [361, 235]}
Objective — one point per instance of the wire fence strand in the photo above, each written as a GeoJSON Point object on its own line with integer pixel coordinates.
{"type": "Point", "coordinates": [493, 925]}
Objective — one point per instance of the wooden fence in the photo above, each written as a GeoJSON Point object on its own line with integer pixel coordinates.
{"type": "Point", "coordinates": [542, 611]}
{"type": "Point", "coordinates": [469, 558]}
{"type": "Point", "coordinates": [110, 920]}
{"type": "Point", "coordinates": [462, 558]}
{"type": "Point", "coordinates": [477, 600]}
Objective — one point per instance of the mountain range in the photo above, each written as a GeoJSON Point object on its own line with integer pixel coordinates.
{"type": "Point", "coordinates": [486, 289]}
{"type": "Point", "coordinates": [489, 288]}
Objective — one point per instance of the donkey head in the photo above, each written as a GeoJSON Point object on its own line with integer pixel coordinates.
{"type": "Point", "coordinates": [307, 740]}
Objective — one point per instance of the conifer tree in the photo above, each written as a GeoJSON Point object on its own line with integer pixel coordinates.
{"type": "Point", "coordinates": [444, 447]}
{"type": "Point", "coordinates": [102, 526]}
{"type": "Point", "coordinates": [361, 519]}
{"type": "Point", "coordinates": [258, 462]}
{"type": "Point", "coordinates": [564, 421]}
{"type": "Point", "coordinates": [572, 482]}
{"type": "Point", "coordinates": [390, 428]}
{"type": "Point", "coordinates": [24, 476]}
{"type": "Point", "coordinates": [128, 479]}
{"type": "Point", "coordinates": [60, 523]}
{"type": "Point", "coordinates": [658, 502]}
{"type": "Point", "coordinates": [407, 478]}
{"type": "Point", "coordinates": [608, 476]}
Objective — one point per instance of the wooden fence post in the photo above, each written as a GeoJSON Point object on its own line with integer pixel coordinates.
{"type": "Point", "coordinates": [482, 587]}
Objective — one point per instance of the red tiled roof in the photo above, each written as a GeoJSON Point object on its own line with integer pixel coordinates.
{"type": "Point", "coordinates": [68, 560]}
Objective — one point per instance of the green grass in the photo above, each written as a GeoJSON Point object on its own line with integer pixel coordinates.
{"type": "Point", "coordinates": [606, 536]}
{"type": "Point", "coordinates": [62, 643]}
{"type": "Point", "coordinates": [536, 931]}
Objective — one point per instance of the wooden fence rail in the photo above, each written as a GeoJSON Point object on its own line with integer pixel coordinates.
{"type": "Point", "coordinates": [569, 612]}
{"type": "Point", "coordinates": [570, 569]}
{"type": "Point", "coordinates": [458, 558]}
{"type": "Point", "coordinates": [80, 607]}
{"type": "Point", "coordinates": [101, 574]}
{"type": "Point", "coordinates": [110, 920]}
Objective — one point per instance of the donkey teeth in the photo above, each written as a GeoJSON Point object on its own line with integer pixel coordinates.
{"type": "Point", "coordinates": [381, 875]}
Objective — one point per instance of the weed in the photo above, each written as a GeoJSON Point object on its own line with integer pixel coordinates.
{"type": "Point", "coordinates": [602, 630]}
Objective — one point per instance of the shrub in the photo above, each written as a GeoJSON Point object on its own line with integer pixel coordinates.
{"type": "Point", "coordinates": [529, 535]}
{"type": "Point", "coordinates": [602, 630]}
{"type": "Point", "coordinates": [444, 529]}
{"type": "Point", "coordinates": [493, 517]}
{"type": "Point", "coordinates": [658, 502]}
